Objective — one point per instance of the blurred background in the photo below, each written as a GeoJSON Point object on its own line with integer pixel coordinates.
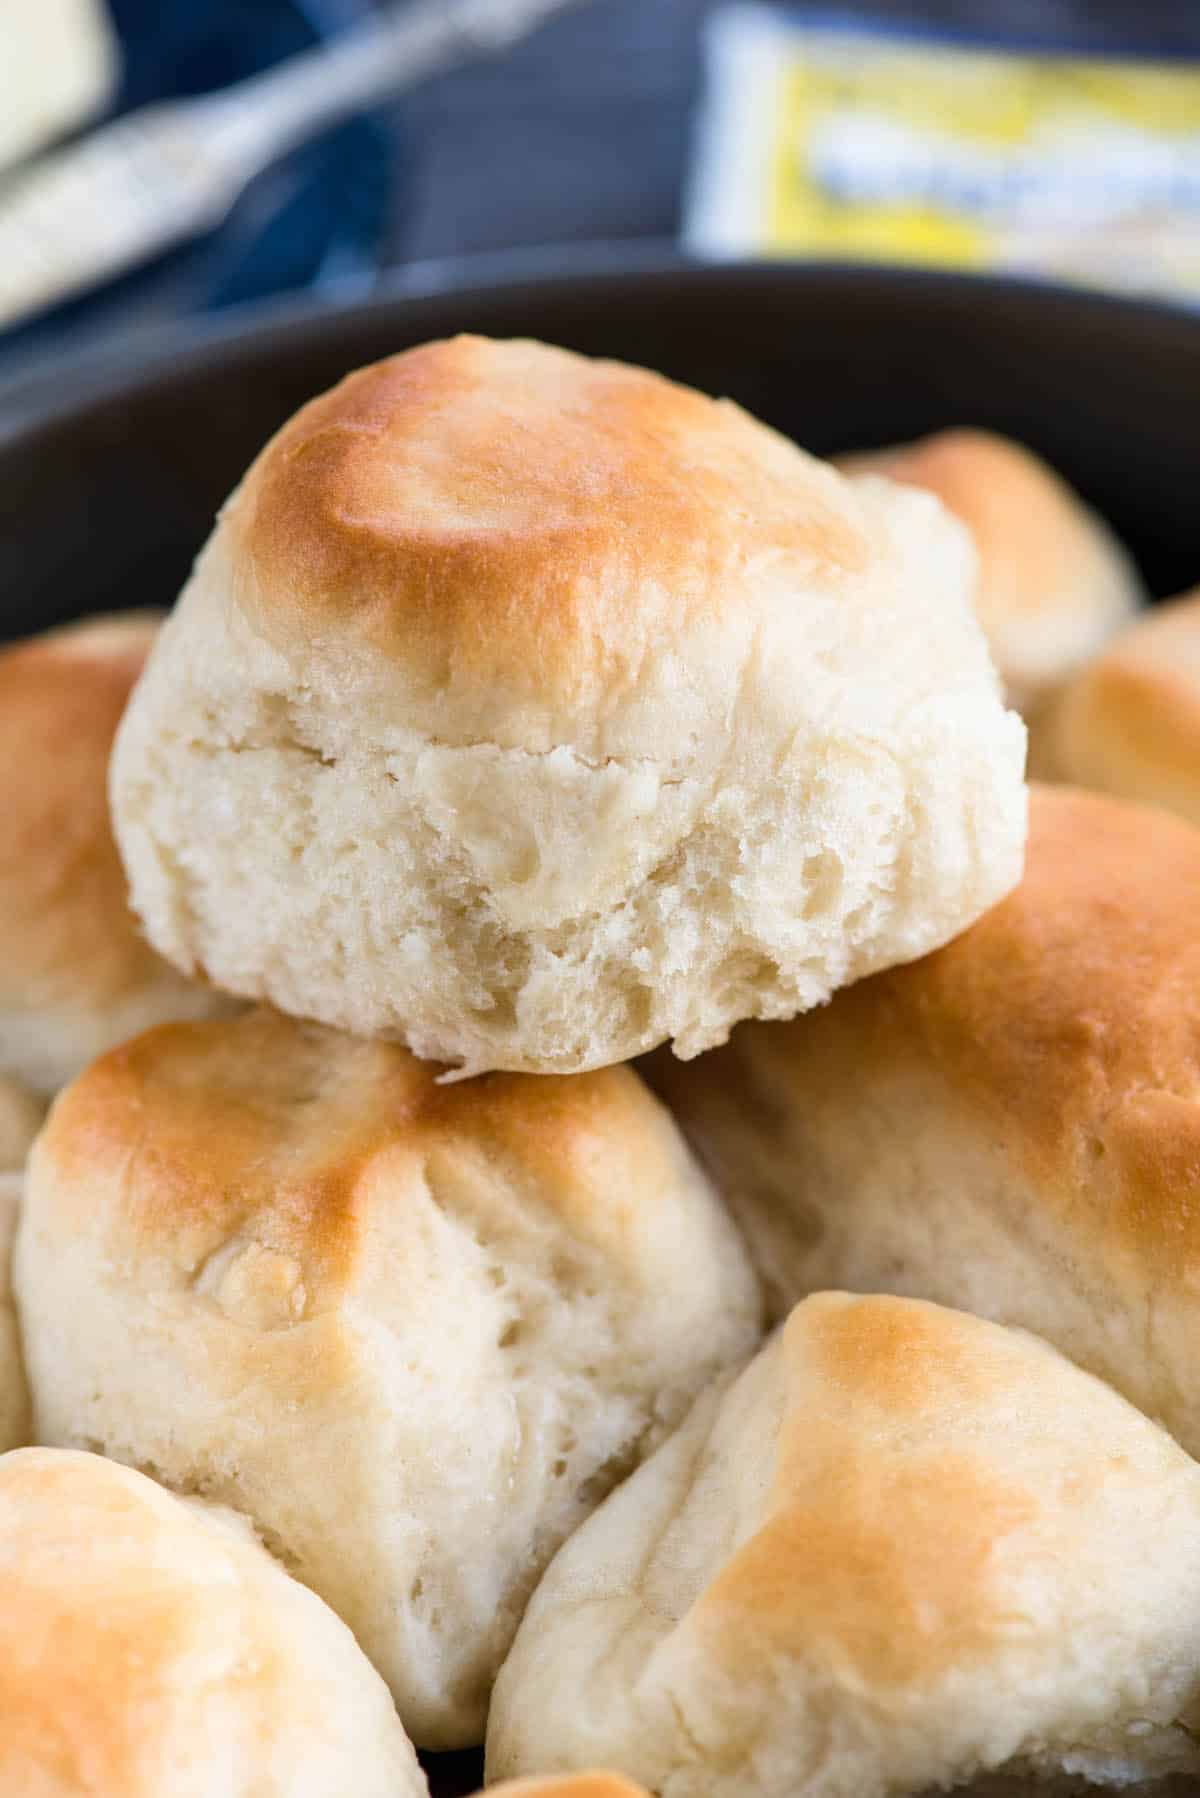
{"type": "Point", "coordinates": [610, 121]}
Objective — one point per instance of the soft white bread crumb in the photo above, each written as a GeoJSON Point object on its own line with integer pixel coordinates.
{"type": "Point", "coordinates": [534, 711]}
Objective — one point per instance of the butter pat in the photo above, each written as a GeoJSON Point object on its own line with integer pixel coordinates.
{"type": "Point", "coordinates": [58, 64]}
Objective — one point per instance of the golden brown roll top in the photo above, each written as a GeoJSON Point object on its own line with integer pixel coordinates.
{"type": "Point", "coordinates": [150, 1645]}
{"type": "Point", "coordinates": [1129, 723]}
{"type": "Point", "coordinates": [1011, 1124]}
{"type": "Point", "coordinates": [904, 1548]}
{"type": "Point", "coordinates": [1054, 583]}
{"type": "Point", "coordinates": [415, 1331]}
{"type": "Point", "coordinates": [533, 710]}
{"type": "Point", "coordinates": [75, 972]}
{"type": "Point", "coordinates": [521, 532]}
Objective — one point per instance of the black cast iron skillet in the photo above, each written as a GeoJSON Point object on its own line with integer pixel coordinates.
{"type": "Point", "coordinates": [112, 465]}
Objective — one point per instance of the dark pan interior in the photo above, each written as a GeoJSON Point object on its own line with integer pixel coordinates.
{"type": "Point", "coordinates": [110, 479]}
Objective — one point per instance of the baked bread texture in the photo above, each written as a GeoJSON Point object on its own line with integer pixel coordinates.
{"type": "Point", "coordinates": [1011, 1125]}
{"type": "Point", "coordinates": [149, 1646]}
{"type": "Point", "coordinates": [76, 975]}
{"type": "Point", "coordinates": [903, 1548]}
{"type": "Point", "coordinates": [533, 710]}
{"type": "Point", "coordinates": [14, 1391]}
{"type": "Point", "coordinates": [414, 1331]}
{"type": "Point", "coordinates": [1129, 723]}
{"type": "Point", "coordinates": [1054, 583]}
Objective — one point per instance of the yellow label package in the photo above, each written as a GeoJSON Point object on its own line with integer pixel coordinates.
{"type": "Point", "coordinates": [836, 140]}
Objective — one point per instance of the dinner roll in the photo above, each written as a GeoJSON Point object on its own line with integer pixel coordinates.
{"type": "Point", "coordinates": [1054, 583]}
{"type": "Point", "coordinates": [14, 1393]}
{"type": "Point", "coordinates": [75, 973]}
{"type": "Point", "coordinates": [904, 1547]}
{"type": "Point", "coordinates": [415, 1331]}
{"type": "Point", "coordinates": [532, 710]}
{"type": "Point", "coordinates": [21, 1116]}
{"type": "Point", "coordinates": [1129, 723]}
{"type": "Point", "coordinates": [151, 1647]}
{"type": "Point", "coordinates": [1011, 1125]}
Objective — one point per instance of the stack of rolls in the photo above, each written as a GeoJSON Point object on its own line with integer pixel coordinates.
{"type": "Point", "coordinates": [579, 848]}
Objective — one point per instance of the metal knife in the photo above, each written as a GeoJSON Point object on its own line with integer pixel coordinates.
{"type": "Point", "coordinates": [171, 171]}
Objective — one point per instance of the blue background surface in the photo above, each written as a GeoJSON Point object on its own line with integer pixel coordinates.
{"type": "Point", "coordinates": [580, 133]}
{"type": "Point", "coordinates": [323, 217]}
